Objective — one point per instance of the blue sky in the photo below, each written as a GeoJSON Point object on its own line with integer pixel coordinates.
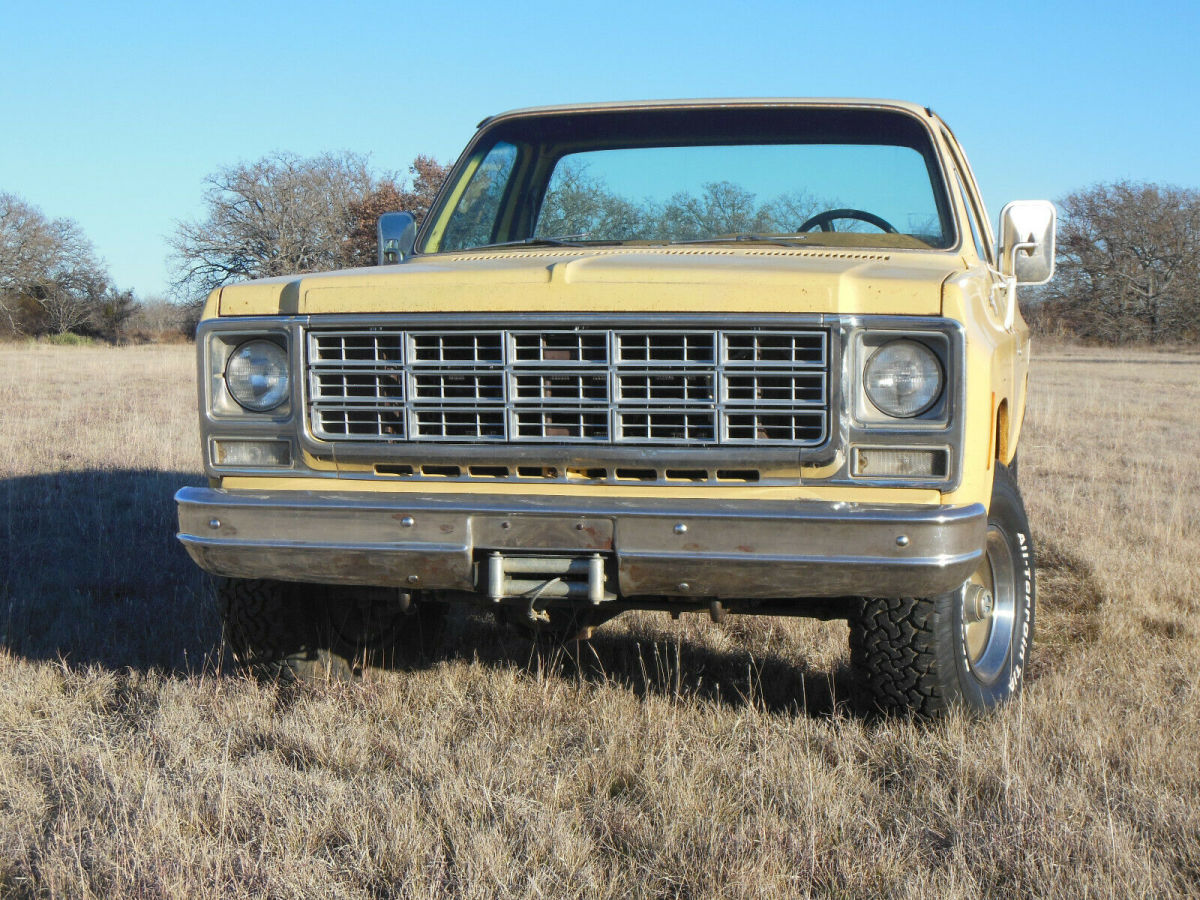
{"type": "Point", "coordinates": [112, 114]}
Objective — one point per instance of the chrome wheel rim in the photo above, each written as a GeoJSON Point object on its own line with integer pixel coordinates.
{"type": "Point", "coordinates": [989, 601]}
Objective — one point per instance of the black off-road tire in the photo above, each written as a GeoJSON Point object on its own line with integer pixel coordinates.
{"type": "Point", "coordinates": [290, 632]}
{"type": "Point", "coordinates": [276, 633]}
{"type": "Point", "coordinates": [910, 654]}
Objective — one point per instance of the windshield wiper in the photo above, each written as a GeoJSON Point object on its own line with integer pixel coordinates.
{"type": "Point", "coordinates": [788, 240]}
{"type": "Point", "coordinates": [562, 240]}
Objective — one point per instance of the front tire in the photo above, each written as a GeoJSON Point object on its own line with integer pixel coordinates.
{"type": "Point", "coordinates": [967, 648]}
{"type": "Point", "coordinates": [289, 632]}
{"type": "Point", "coordinates": [276, 633]}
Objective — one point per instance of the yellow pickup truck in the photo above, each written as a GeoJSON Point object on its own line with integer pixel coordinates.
{"type": "Point", "coordinates": [721, 356]}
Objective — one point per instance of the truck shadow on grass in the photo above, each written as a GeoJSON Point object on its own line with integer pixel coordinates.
{"type": "Point", "coordinates": [91, 573]}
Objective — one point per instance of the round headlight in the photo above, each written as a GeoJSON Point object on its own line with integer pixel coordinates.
{"type": "Point", "coordinates": [257, 375]}
{"type": "Point", "coordinates": [903, 378]}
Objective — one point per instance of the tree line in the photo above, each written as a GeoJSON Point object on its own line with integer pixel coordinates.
{"type": "Point", "coordinates": [274, 216]}
{"type": "Point", "coordinates": [1128, 252]}
{"type": "Point", "coordinates": [284, 214]}
{"type": "Point", "coordinates": [1128, 267]}
{"type": "Point", "coordinates": [51, 280]}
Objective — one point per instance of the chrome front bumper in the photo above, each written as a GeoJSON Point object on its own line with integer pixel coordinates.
{"type": "Point", "coordinates": [656, 547]}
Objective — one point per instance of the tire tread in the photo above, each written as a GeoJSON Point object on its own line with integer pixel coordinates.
{"type": "Point", "coordinates": [893, 650]}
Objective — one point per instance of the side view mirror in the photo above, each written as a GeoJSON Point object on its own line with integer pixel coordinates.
{"type": "Point", "coordinates": [1027, 241]}
{"type": "Point", "coordinates": [396, 233]}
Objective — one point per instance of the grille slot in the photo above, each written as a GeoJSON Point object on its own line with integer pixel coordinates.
{"type": "Point", "coordinates": [666, 347]}
{"type": "Point", "coordinates": [561, 424]}
{"type": "Point", "coordinates": [451, 424]}
{"type": "Point", "coordinates": [773, 388]}
{"type": "Point", "coordinates": [656, 426]}
{"type": "Point", "coordinates": [586, 385]}
{"type": "Point", "coordinates": [765, 348]}
{"type": "Point", "coordinates": [666, 387]}
{"type": "Point", "coordinates": [458, 387]}
{"type": "Point", "coordinates": [441, 348]}
{"type": "Point", "coordinates": [561, 387]}
{"type": "Point", "coordinates": [772, 427]}
{"type": "Point", "coordinates": [560, 347]}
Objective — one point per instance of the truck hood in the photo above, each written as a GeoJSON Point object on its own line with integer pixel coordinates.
{"type": "Point", "coordinates": [677, 279]}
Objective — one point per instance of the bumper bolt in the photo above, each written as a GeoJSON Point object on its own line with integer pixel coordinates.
{"type": "Point", "coordinates": [408, 522]}
{"type": "Point", "coordinates": [214, 523]}
{"type": "Point", "coordinates": [681, 528]}
{"type": "Point", "coordinates": [413, 579]}
{"type": "Point", "coordinates": [683, 587]}
{"type": "Point", "coordinates": [902, 540]}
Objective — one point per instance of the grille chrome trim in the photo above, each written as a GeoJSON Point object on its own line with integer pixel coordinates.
{"type": "Point", "coordinates": [587, 385]}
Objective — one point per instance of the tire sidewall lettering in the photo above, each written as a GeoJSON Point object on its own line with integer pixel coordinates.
{"type": "Point", "coordinates": [1025, 582]}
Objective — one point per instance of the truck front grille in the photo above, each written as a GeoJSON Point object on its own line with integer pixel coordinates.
{"type": "Point", "coordinates": [586, 385]}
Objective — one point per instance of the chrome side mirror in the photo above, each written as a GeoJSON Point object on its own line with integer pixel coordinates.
{"type": "Point", "coordinates": [396, 233]}
{"type": "Point", "coordinates": [1027, 241]}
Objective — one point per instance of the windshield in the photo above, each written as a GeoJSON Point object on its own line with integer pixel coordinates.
{"type": "Point", "coordinates": [849, 177]}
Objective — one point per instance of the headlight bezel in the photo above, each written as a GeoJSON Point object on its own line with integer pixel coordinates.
{"type": "Point", "coordinates": [278, 369]}
{"type": "Point", "coordinates": [939, 428]}
{"type": "Point", "coordinates": [220, 342]}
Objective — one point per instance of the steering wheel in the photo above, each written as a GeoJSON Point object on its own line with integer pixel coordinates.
{"type": "Point", "coordinates": [824, 220]}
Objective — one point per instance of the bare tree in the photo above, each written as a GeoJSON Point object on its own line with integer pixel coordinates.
{"type": "Point", "coordinates": [284, 214]}
{"type": "Point", "coordinates": [1128, 264]}
{"type": "Point", "coordinates": [722, 208]}
{"type": "Point", "coordinates": [26, 253]}
{"type": "Point", "coordinates": [63, 310]}
{"type": "Point", "coordinates": [113, 315]}
{"type": "Point", "coordinates": [48, 270]}
{"type": "Point", "coordinates": [578, 203]}
{"type": "Point", "coordinates": [158, 316]}
{"type": "Point", "coordinates": [792, 209]}
{"type": "Point", "coordinates": [275, 216]}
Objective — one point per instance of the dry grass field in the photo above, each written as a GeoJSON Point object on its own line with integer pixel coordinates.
{"type": "Point", "coordinates": [686, 759]}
